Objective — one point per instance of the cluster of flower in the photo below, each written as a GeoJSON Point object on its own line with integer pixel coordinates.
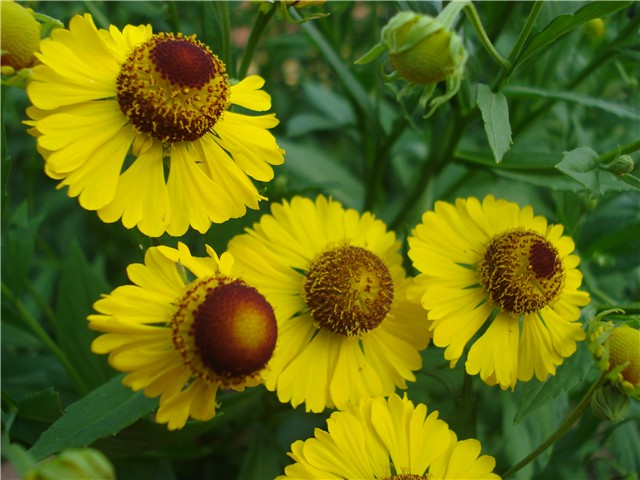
{"type": "Point", "coordinates": [313, 300]}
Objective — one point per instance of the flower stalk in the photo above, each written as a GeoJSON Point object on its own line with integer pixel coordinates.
{"type": "Point", "coordinates": [580, 408]}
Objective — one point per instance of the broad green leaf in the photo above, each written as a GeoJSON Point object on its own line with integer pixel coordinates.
{"type": "Point", "coordinates": [564, 24]}
{"type": "Point", "coordinates": [263, 459]}
{"type": "Point", "coordinates": [624, 441]}
{"type": "Point", "coordinates": [105, 411]}
{"type": "Point", "coordinates": [621, 111]}
{"type": "Point", "coordinates": [17, 249]}
{"type": "Point", "coordinates": [582, 165]}
{"type": "Point", "coordinates": [43, 405]}
{"type": "Point", "coordinates": [313, 169]}
{"type": "Point", "coordinates": [631, 180]}
{"type": "Point", "coordinates": [344, 74]}
{"type": "Point", "coordinates": [534, 394]}
{"type": "Point", "coordinates": [495, 115]}
{"type": "Point", "coordinates": [79, 288]}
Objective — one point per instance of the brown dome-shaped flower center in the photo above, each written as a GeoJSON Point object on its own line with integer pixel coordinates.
{"type": "Point", "coordinates": [521, 271]}
{"type": "Point", "coordinates": [235, 330]}
{"type": "Point", "coordinates": [223, 330]}
{"type": "Point", "coordinates": [173, 88]}
{"type": "Point", "coordinates": [349, 290]}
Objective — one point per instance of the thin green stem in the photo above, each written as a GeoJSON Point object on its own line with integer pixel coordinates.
{"type": "Point", "coordinates": [625, 150]}
{"type": "Point", "coordinates": [437, 160]}
{"type": "Point", "coordinates": [379, 162]}
{"type": "Point", "coordinates": [254, 39]}
{"type": "Point", "coordinates": [580, 408]}
{"type": "Point", "coordinates": [605, 56]}
{"type": "Point", "coordinates": [45, 338]}
{"type": "Point", "coordinates": [467, 408]}
{"type": "Point", "coordinates": [473, 17]}
{"type": "Point", "coordinates": [504, 73]}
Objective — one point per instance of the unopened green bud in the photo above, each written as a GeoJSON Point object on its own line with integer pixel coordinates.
{"type": "Point", "coordinates": [74, 464]}
{"type": "Point", "coordinates": [610, 403]}
{"type": "Point", "coordinates": [621, 165]}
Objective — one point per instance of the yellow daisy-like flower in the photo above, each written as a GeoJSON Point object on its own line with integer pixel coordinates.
{"type": "Point", "coordinates": [617, 350]}
{"type": "Point", "coordinates": [183, 340]}
{"type": "Point", "coordinates": [336, 282]}
{"type": "Point", "coordinates": [140, 127]}
{"type": "Point", "coordinates": [495, 270]}
{"type": "Point", "coordinates": [388, 439]}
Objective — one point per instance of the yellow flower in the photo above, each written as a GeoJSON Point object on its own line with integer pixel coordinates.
{"type": "Point", "coordinates": [336, 282]}
{"type": "Point", "coordinates": [20, 34]}
{"type": "Point", "coordinates": [388, 439]}
{"type": "Point", "coordinates": [184, 340]}
{"type": "Point", "coordinates": [495, 270]}
{"type": "Point", "coordinates": [617, 349]}
{"type": "Point", "coordinates": [139, 127]}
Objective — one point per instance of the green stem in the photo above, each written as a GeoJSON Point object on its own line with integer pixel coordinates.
{"type": "Point", "coordinates": [467, 408]}
{"type": "Point", "coordinates": [629, 308]}
{"type": "Point", "coordinates": [580, 408]}
{"type": "Point", "coordinates": [504, 73]}
{"type": "Point", "coordinates": [437, 160]}
{"type": "Point", "coordinates": [472, 15]}
{"type": "Point", "coordinates": [379, 162]}
{"type": "Point", "coordinates": [625, 150]}
{"type": "Point", "coordinates": [607, 54]}
{"type": "Point", "coordinates": [45, 338]}
{"type": "Point", "coordinates": [254, 39]}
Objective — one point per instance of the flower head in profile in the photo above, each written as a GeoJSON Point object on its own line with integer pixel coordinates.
{"type": "Point", "coordinates": [139, 126]}
{"type": "Point", "coordinates": [616, 348]}
{"type": "Point", "coordinates": [335, 279]}
{"type": "Point", "coordinates": [424, 51]}
{"type": "Point", "coordinates": [498, 277]}
{"type": "Point", "coordinates": [388, 439]}
{"type": "Point", "coordinates": [183, 340]}
{"type": "Point", "coordinates": [20, 33]}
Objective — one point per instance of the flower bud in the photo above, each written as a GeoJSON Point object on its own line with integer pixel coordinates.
{"type": "Point", "coordinates": [74, 464]}
{"type": "Point", "coordinates": [610, 403]}
{"type": "Point", "coordinates": [621, 165]}
{"type": "Point", "coordinates": [424, 51]}
{"type": "Point", "coordinates": [617, 350]}
{"type": "Point", "coordinates": [20, 37]}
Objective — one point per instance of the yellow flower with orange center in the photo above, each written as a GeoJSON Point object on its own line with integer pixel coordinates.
{"type": "Point", "coordinates": [140, 127]}
{"type": "Point", "coordinates": [494, 275]}
{"type": "Point", "coordinates": [183, 340]}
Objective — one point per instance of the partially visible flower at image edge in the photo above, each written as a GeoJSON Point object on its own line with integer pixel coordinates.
{"type": "Point", "coordinates": [73, 464]}
{"type": "Point", "coordinates": [116, 112]}
{"type": "Point", "coordinates": [336, 281]}
{"type": "Point", "coordinates": [616, 349]}
{"type": "Point", "coordinates": [20, 36]}
{"type": "Point", "coordinates": [390, 439]}
{"type": "Point", "coordinates": [494, 269]}
{"type": "Point", "coordinates": [183, 340]}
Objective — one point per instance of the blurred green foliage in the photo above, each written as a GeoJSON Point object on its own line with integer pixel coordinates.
{"type": "Point", "coordinates": [573, 105]}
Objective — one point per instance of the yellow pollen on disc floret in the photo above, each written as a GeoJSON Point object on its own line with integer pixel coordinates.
{"type": "Point", "coordinates": [173, 88]}
{"type": "Point", "coordinates": [349, 290]}
{"type": "Point", "coordinates": [521, 272]}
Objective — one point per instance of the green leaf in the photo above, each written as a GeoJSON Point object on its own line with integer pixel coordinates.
{"type": "Point", "coordinates": [313, 169]}
{"type": "Point", "coordinates": [631, 180]}
{"type": "Point", "coordinates": [582, 165]}
{"type": "Point", "coordinates": [564, 24]}
{"type": "Point", "coordinates": [17, 249]}
{"type": "Point", "coordinates": [495, 114]}
{"type": "Point", "coordinates": [591, 102]}
{"type": "Point", "coordinates": [263, 458]}
{"type": "Point", "coordinates": [105, 411]}
{"type": "Point", "coordinates": [534, 395]}
{"type": "Point", "coordinates": [43, 405]}
{"type": "Point", "coordinates": [79, 288]}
